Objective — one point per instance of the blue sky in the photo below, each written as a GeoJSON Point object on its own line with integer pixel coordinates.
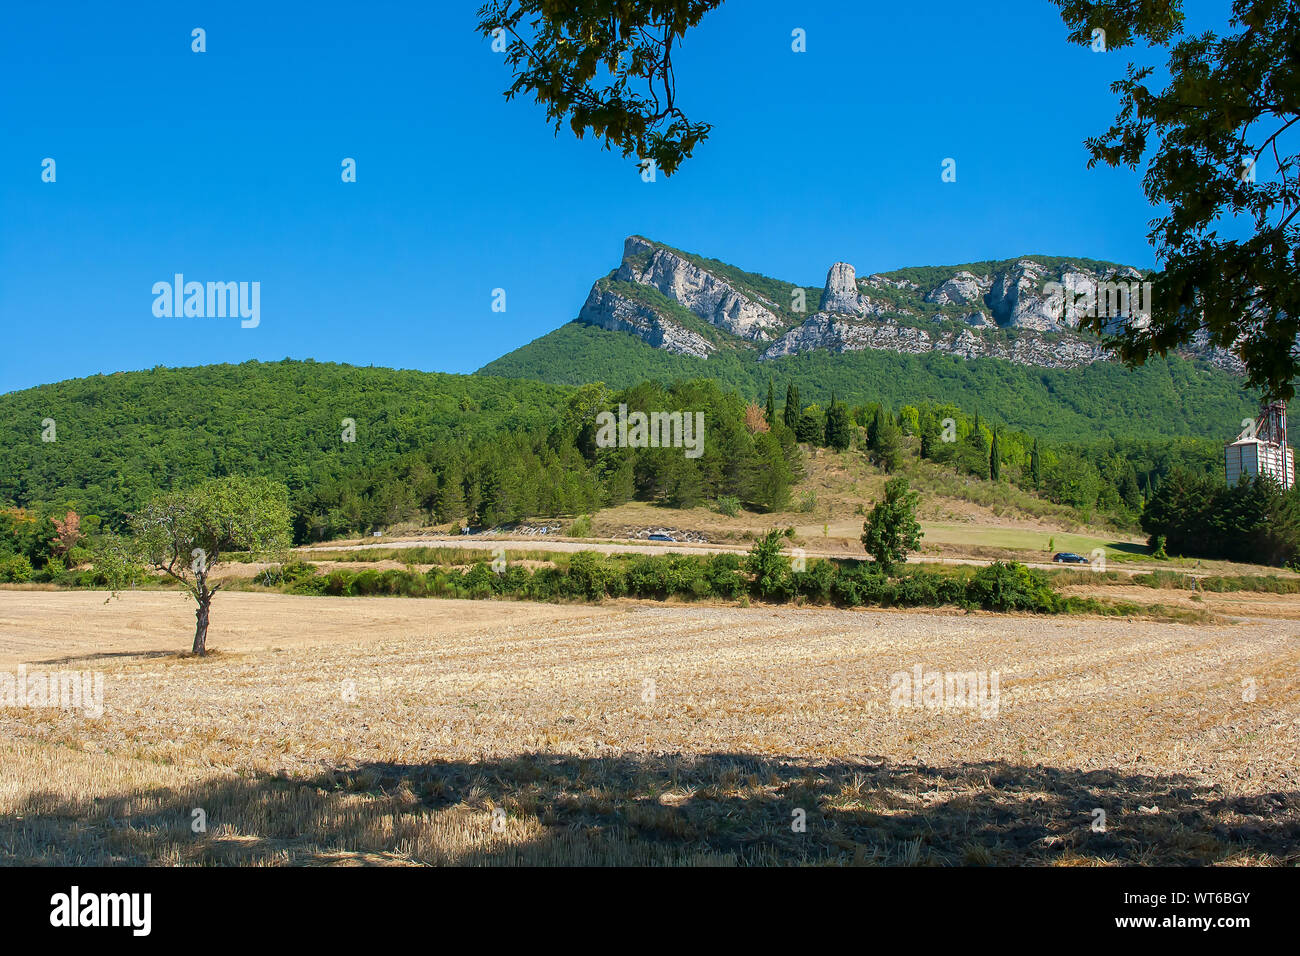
{"type": "Point", "coordinates": [225, 166]}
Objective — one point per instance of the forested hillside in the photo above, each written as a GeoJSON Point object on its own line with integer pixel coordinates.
{"type": "Point", "coordinates": [1169, 397]}
{"type": "Point", "coordinates": [120, 438]}
{"type": "Point", "coordinates": [367, 448]}
{"type": "Point", "coordinates": [566, 470]}
{"type": "Point", "coordinates": [424, 447]}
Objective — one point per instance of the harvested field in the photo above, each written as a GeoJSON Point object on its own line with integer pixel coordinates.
{"type": "Point", "coordinates": [384, 730]}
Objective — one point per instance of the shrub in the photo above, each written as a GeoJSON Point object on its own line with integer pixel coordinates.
{"type": "Point", "coordinates": [724, 577]}
{"type": "Point", "coordinates": [480, 581]}
{"type": "Point", "coordinates": [591, 577]}
{"type": "Point", "coordinates": [15, 569]}
{"type": "Point", "coordinates": [770, 568]}
{"type": "Point", "coordinates": [291, 572]}
{"type": "Point", "coordinates": [688, 577]}
{"type": "Point", "coordinates": [815, 583]}
{"type": "Point", "coordinates": [649, 576]}
{"type": "Point", "coordinates": [514, 580]}
{"type": "Point", "coordinates": [728, 505]}
{"type": "Point", "coordinates": [860, 586]}
{"type": "Point", "coordinates": [546, 584]}
{"type": "Point", "coordinates": [314, 585]}
{"type": "Point", "coordinates": [366, 582]}
{"type": "Point", "coordinates": [1011, 586]}
{"type": "Point", "coordinates": [337, 583]}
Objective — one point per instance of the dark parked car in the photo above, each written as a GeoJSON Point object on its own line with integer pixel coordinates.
{"type": "Point", "coordinates": [1069, 557]}
{"type": "Point", "coordinates": [661, 537]}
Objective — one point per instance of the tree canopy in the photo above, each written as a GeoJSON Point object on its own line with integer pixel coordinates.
{"type": "Point", "coordinates": [1216, 150]}
{"type": "Point", "coordinates": [605, 67]}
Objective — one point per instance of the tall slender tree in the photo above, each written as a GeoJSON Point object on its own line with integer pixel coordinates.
{"type": "Point", "coordinates": [792, 409]}
{"type": "Point", "coordinates": [838, 431]}
{"type": "Point", "coordinates": [770, 411]}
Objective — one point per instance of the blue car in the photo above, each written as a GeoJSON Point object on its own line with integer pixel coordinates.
{"type": "Point", "coordinates": [662, 537]}
{"type": "Point", "coordinates": [1069, 557]}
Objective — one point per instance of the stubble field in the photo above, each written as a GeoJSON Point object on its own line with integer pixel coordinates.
{"type": "Point", "coordinates": [395, 731]}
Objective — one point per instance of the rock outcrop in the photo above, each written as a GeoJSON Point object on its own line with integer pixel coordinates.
{"type": "Point", "coordinates": [1014, 299]}
{"type": "Point", "coordinates": [840, 334]}
{"type": "Point", "coordinates": [841, 294]}
{"type": "Point", "coordinates": [606, 309]}
{"type": "Point", "coordinates": [963, 288]}
{"type": "Point", "coordinates": [1023, 311]}
{"type": "Point", "coordinates": [708, 296]}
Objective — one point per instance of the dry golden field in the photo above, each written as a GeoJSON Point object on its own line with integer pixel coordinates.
{"type": "Point", "coordinates": [405, 731]}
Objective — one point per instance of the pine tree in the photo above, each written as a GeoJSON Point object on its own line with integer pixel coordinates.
{"type": "Point", "coordinates": [888, 450]}
{"type": "Point", "coordinates": [891, 530]}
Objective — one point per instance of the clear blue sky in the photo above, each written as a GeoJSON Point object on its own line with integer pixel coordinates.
{"type": "Point", "coordinates": [225, 165]}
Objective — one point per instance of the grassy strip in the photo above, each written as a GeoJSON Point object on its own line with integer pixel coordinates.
{"type": "Point", "coordinates": [1177, 581]}
{"type": "Point", "coordinates": [435, 555]}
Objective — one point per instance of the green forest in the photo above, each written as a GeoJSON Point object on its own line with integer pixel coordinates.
{"type": "Point", "coordinates": [1171, 397]}
{"type": "Point", "coordinates": [119, 439]}
{"type": "Point", "coordinates": [360, 449]}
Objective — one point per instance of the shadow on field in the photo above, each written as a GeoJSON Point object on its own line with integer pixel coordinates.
{"type": "Point", "coordinates": [712, 809]}
{"type": "Point", "coordinates": [1129, 548]}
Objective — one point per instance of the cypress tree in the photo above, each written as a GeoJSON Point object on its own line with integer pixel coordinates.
{"type": "Point", "coordinates": [770, 412]}
{"type": "Point", "coordinates": [838, 432]}
{"type": "Point", "coordinates": [995, 458]}
{"type": "Point", "coordinates": [1035, 465]}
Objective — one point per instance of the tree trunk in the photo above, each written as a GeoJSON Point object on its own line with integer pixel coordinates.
{"type": "Point", "coordinates": [201, 627]}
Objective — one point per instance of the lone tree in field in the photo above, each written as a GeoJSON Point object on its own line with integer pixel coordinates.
{"type": "Point", "coordinates": [891, 530]}
{"type": "Point", "coordinates": [186, 534]}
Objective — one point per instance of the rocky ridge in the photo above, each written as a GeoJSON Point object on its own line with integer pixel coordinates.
{"type": "Point", "coordinates": [1014, 311]}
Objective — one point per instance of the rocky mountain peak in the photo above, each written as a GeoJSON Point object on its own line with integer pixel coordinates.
{"type": "Point", "coordinates": [841, 294]}
{"type": "Point", "coordinates": [664, 297]}
{"type": "Point", "coordinates": [710, 297]}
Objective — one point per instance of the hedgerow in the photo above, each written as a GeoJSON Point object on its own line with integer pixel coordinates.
{"type": "Point", "coordinates": [588, 576]}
